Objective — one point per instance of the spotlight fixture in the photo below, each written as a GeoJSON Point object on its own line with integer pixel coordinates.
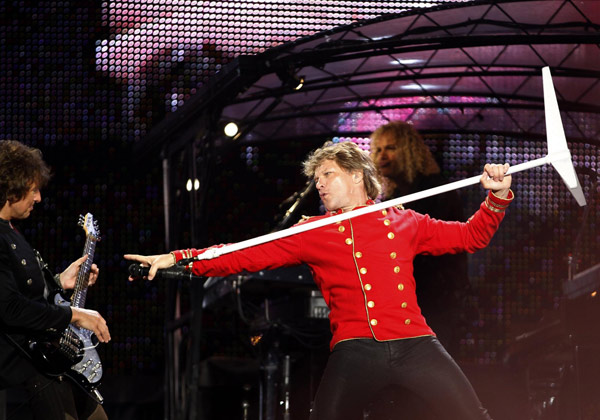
{"type": "Point", "coordinates": [231, 129]}
{"type": "Point", "coordinates": [192, 184]}
{"type": "Point", "coordinates": [299, 82]}
{"type": "Point", "coordinates": [290, 78]}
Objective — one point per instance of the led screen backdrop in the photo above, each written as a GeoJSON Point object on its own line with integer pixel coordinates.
{"type": "Point", "coordinates": [84, 81]}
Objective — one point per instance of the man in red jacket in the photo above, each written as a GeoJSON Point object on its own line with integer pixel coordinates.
{"type": "Point", "coordinates": [363, 267]}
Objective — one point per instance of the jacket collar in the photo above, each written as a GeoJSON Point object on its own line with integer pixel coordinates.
{"type": "Point", "coordinates": [339, 211]}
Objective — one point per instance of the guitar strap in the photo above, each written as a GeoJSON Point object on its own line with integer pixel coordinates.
{"type": "Point", "coordinates": [17, 346]}
{"type": "Point", "coordinates": [51, 280]}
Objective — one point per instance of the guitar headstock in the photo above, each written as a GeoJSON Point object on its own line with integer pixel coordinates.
{"type": "Point", "coordinates": [90, 226]}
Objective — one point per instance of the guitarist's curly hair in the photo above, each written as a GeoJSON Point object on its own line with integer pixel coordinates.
{"type": "Point", "coordinates": [21, 167]}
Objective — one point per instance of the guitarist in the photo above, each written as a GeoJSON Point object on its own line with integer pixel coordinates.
{"type": "Point", "coordinates": [24, 310]}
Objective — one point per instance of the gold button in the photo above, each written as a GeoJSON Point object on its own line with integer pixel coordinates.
{"type": "Point", "coordinates": [24, 261]}
{"type": "Point", "coordinates": [387, 222]}
{"type": "Point", "coordinates": [358, 254]}
{"type": "Point", "coordinates": [384, 212]}
{"type": "Point", "coordinates": [400, 286]}
{"type": "Point", "coordinates": [407, 321]}
{"type": "Point", "coordinates": [29, 282]}
{"type": "Point", "coordinates": [13, 246]}
{"type": "Point", "coordinates": [341, 228]}
{"type": "Point", "coordinates": [404, 305]}
{"type": "Point", "coordinates": [391, 235]}
{"type": "Point", "coordinates": [393, 255]}
{"type": "Point", "coordinates": [396, 269]}
{"type": "Point", "coordinates": [367, 286]}
{"type": "Point", "coordinates": [363, 270]}
{"type": "Point", "coordinates": [349, 241]}
{"type": "Point", "coordinates": [373, 322]}
{"type": "Point", "coordinates": [370, 304]}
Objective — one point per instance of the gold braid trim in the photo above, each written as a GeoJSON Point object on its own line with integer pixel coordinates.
{"type": "Point", "coordinates": [498, 207]}
{"type": "Point", "coordinates": [491, 207]}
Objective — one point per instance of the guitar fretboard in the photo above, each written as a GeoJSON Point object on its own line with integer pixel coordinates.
{"type": "Point", "coordinates": [83, 276]}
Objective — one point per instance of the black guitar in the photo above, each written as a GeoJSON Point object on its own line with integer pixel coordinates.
{"type": "Point", "coordinates": [73, 353]}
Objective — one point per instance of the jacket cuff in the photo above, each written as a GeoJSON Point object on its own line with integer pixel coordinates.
{"type": "Point", "coordinates": [56, 278]}
{"type": "Point", "coordinates": [497, 204]}
{"type": "Point", "coordinates": [62, 316]}
{"type": "Point", "coordinates": [181, 254]}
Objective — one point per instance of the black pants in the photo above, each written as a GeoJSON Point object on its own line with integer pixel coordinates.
{"type": "Point", "coordinates": [359, 372]}
{"type": "Point", "coordinates": [53, 399]}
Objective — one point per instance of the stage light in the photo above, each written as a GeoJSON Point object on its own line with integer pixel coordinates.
{"type": "Point", "coordinates": [195, 184]}
{"type": "Point", "coordinates": [406, 62]}
{"type": "Point", "coordinates": [291, 79]}
{"type": "Point", "coordinates": [299, 82]}
{"type": "Point", "coordinates": [231, 129]}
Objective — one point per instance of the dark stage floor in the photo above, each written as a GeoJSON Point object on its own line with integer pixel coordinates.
{"type": "Point", "coordinates": [503, 391]}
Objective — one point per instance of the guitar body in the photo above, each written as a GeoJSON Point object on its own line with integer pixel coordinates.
{"type": "Point", "coordinates": [89, 369]}
{"type": "Point", "coordinates": [54, 358]}
{"type": "Point", "coordinates": [74, 355]}
{"type": "Point", "coordinates": [73, 352]}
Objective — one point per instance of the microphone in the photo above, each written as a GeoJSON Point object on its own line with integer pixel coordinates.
{"type": "Point", "coordinates": [298, 197]}
{"type": "Point", "coordinates": [305, 190]}
{"type": "Point", "coordinates": [176, 272]}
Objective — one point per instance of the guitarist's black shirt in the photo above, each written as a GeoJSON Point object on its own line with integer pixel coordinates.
{"type": "Point", "coordinates": [24, 311]}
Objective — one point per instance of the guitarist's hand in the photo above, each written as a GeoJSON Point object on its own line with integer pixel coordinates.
{"type": "Point", "coordinates": [91, 320]}
{"type": "Point", "coordinates": [68, 278]}
{"type": "Point", "coordinates": [155, 262]}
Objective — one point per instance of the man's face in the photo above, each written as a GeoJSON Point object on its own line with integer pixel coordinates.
{"type": "Point", "coordinates": [384, 152]}
{"type": "Point", "coordinates": [22, 209]}
{"type": "Point", "coordinates": [337, 188]}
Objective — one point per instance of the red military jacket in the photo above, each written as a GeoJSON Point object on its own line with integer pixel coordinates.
{"type": "Point", "coordinates": [363, 266]}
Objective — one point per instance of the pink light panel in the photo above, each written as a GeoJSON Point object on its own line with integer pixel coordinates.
{"type": "Point", "coordinates": [148, 40]}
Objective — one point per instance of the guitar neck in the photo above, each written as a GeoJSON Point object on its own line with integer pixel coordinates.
{"type": "Point", "coordinates": [81, 285]}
